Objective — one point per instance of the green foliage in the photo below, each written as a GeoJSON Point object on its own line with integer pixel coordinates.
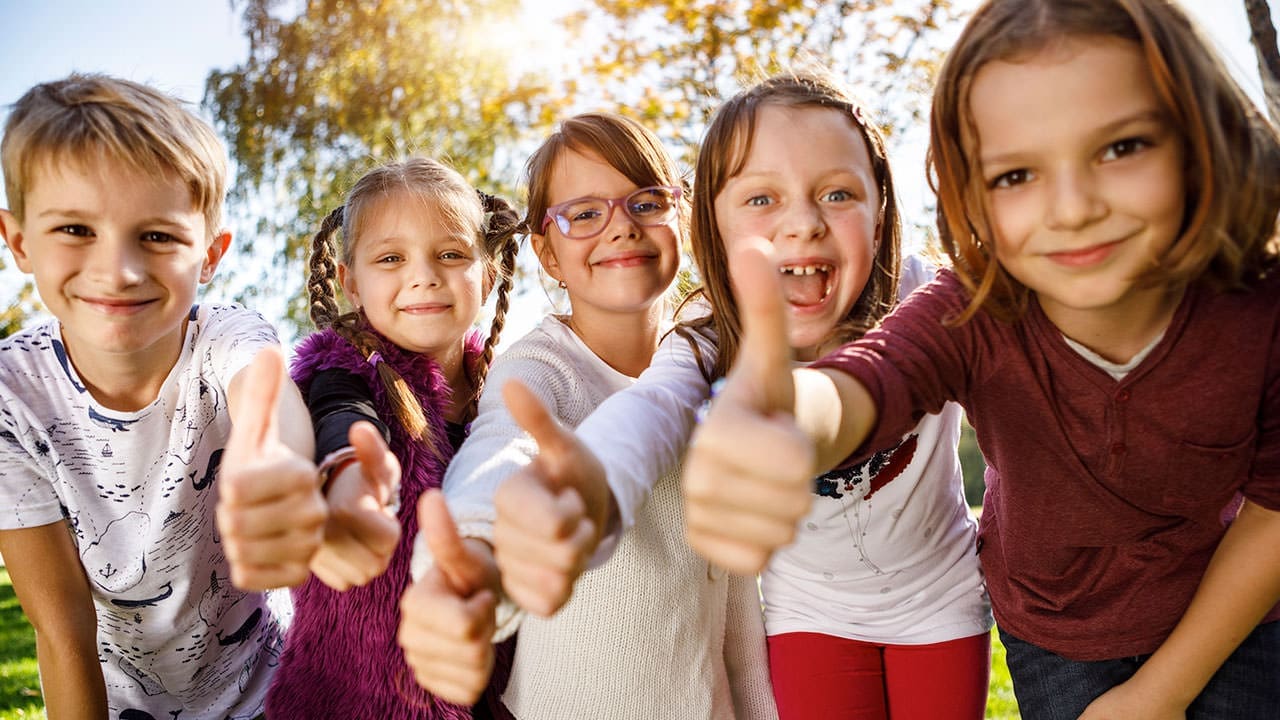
{"type": "Point", "coordinates": [24, 305]}
{"type": "Point", "coordinates": [973, 466]}
{"type": "Point", "coordinates": [672, 62]}
{"type": "Point", "coordinates": [19, 679]}
{"type": "Point", "coordinates": [335, 87]}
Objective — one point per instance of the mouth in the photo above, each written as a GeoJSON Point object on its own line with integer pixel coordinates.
{"type": "Point", "coordinates": [627, 259]}
{"type": "Point", "coordinates": [425, 308]}
{"type": "Point", "coordinates": [807, 284]}
{"type": "Point", "coordinates": [116, 306]}
{"type": "Point", "coordinates": [1086, 256]}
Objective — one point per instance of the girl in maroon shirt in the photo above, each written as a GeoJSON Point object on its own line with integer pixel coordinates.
{"type": "Point", "coordinates": [1108, 197]}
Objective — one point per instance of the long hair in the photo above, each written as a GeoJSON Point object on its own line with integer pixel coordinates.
{"type": "Point", "coordinates": [724, 153]}
{"type": "Point", "coordinates": [1233, 157]}
{"type": "Point", "coordinates": [490, 220]}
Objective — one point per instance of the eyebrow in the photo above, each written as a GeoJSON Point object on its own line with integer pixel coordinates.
{"type": "Point", "coordinates": [1140, 116]}
{"type": "Point", "coordinates": [75, 214]}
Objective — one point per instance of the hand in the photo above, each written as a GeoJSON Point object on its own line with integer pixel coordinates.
{"type": "Point", "coordinates": [447, 618]}
{"type": "Point", "coordinates": [270, 512]}
{"type": "Point", "coordinates": [550, 513]}
{"type": "Point", "coordinates": [749, 470]}
{"type": "Point", "coordinates": [1130, 701]}
{"type": "Point", "coordinates": [362, 531]}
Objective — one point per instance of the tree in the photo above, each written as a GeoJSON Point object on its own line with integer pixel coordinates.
{"type": "Point", "coordinates": [334, 87]}
{"type": "Point", "coordinates": [1262, 32]}
{"type": "Point", "coordinates": [672, 62]}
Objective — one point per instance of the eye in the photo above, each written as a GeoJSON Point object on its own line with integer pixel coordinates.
{"type": "Point", "coordinates": [454, 255]}
{"type": "Point", "coordinates": [759, 201]}
{"type": "Point", "coordinates": [837, 196]}
{"type": "Point", "coordinates": [585, 215]}
{"type": "Point", "coordinates": [159, 238]}
{"type": "Point", "coordinates": [74, 230]}
{"type": "Point", "coordinates": [388, 259]}
{"type": "Point", "coordinates": [1011, 179]}
{"type": "Point", "coordinates": [1122, 148]}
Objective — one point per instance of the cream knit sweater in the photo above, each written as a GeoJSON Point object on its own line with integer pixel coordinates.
{"type": "Point", "coordinates": [655, 632]}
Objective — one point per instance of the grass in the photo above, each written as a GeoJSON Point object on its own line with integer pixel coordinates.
{"type": "Point", "coordinates": [19, 681]}
{"type": "Point", "coordinates": [20, 684]}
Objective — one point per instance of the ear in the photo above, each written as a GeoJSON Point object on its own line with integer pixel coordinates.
{"type": "Point", "coordinates": [546, 255]}
{"type": "Point", "coordinates": [213, 255]}
{"type": "Point", "coordinates": [12, 230]}
{"type": "Point", "coordinates": [348, 282]}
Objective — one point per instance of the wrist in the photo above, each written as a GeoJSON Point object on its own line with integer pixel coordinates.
{"type": "Point", "coordinates": [334, 463]}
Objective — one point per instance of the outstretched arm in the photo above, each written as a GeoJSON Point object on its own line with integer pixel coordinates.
{"type": "Point", "coordinates": [51, 586]}
{"type": "Point", "coordinates": [770, 430]}
{"type": "Point", "coordinates": [270, 512]}
{"type": "Point", "coordinates": [1240, 585]}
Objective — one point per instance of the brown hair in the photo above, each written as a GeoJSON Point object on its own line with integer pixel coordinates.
{"type": "Point", "coordinates": [1233, 157]}
{"type": "Point", "coordinates": [84, 118]}
{"type": "Point", "coordinates": [724, 153]}
{"type": "Point", "coordinates": [626, 145]}
{"type": "Point", "coordinates": [487, 218]}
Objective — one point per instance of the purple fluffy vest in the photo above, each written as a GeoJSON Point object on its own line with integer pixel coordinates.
{"type": "Point", "coordinates": [341, 659]}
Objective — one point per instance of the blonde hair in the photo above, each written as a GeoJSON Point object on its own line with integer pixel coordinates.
{"type": "Point", "coordinates": [96, 117]}
{"type": "Point", "coordinates": [724, 153]}
{"type": "Point", "coordinates": [1232, 153]}
{"type": "Point", "coordinates": [490, 220]}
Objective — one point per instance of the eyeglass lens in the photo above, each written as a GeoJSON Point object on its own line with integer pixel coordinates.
{"type": "Point", "coordinates": [587, 217]}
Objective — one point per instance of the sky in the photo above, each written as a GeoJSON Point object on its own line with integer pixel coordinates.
{"type": "Point", "coordinates": [173, 46]}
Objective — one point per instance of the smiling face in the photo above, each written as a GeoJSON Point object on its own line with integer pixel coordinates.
{"type": "Point", "coordinates": [627, 267]}
{"type": "Point", "coordinates": [117, 257]}
{"type": "Point", "coordinates": [808, 187]}
{"type": "Point", "coordinates": [1084, 177]}
{"type": "Point", "coordinates": [417, 278]}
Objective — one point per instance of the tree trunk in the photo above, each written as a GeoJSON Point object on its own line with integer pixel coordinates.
{"type": "Point", "coordinates": [1262, 32]}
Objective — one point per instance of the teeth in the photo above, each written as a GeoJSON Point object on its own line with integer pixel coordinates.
{"type": "Point", "coordinates": [805, 269]}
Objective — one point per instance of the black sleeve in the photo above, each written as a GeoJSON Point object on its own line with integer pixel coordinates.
{"type": "Point", "coordinates": [336, 400]}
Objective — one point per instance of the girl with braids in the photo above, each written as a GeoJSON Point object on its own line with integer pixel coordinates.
{"type": "Point", "coordinates": [419, 251]}
{"type": "Point", "coordinates": [657, 632]}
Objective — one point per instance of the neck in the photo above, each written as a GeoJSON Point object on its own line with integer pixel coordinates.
{"type": "Point", "coordinates": [625, 341]}
{"type": "Point", "coordinates": [1118, 334]}
{"type": "Point", "coordinates": [126, 382]}
{"type": "Point", "coordinates": [453, 365]}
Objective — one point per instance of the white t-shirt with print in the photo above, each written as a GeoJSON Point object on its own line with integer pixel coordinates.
{"type": "Point", "coordinates": [137, 490]}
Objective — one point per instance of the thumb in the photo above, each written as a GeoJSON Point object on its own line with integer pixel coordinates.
{"type": "Point", "coordinates": [379, 466]}
{"type": "Point", "coordinates": [532, 416]}
{"type": "Point", "coordinates": [458, 566]}
{"type": "Point", "coordinates": [763, 362]}
{"type": "Point", "coordinates": [253, 416]}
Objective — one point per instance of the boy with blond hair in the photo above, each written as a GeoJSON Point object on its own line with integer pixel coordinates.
{"type": "Point", "coordinates": [117, 417]}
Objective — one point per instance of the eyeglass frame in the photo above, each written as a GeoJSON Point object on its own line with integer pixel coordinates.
{"type": "Point", "coordinates": [553, 212]}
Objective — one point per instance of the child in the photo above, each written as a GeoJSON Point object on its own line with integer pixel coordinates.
{"type": "Point", "coordinates": [1109, 198]}
{"type": "Point", "coordinates": [420, 251]}
{"type": "Point", "coordinates": [115, 414]}
{"type": "Point", "coordinates": [656, 632]}
{"type": "Point", "coordinates": [881, 589]}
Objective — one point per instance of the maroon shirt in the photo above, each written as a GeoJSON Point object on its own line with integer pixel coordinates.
{"type": "Point", "coordinates": [1105, 500]}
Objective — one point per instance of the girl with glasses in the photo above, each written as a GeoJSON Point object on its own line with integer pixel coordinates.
{"type": "Point", "coordinates": [657, 632]}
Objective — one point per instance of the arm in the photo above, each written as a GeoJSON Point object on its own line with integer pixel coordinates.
{"type": "Point", "coordinates": [54, 593]}
{"type": "Point", "coordinates": [1240, 585]}
{"type": "Point", "coordinates": [270, 512]}
{"type": "Point", "coordinates": [362, 530]}
{"type": "Point", "coordinates": [746, 657]}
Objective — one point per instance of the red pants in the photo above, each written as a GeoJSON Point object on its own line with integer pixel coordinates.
{"type": "Point", "coordinates": [820, 676]}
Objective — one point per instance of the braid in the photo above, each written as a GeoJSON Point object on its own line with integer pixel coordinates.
{"type": "Point", "coordinates": [501, 223]}
{"type": "Point", "coordinates": [321, 286]}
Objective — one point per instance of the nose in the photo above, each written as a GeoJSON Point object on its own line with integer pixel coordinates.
{"type": "Point", "coordinates": [1074, 201]}
{"type": "Point", "coordinates": [424, 272]}
{"type": "Point", "coordinates": [803, 221]}
{"type": "Point", "coordinates": [621, 225]}
{"type": "Point", "coordinates": [117, 263]}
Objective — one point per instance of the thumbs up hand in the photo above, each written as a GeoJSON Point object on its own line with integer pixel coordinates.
{"type": "Point", "coordinates": [270, 512]}
{"type": "Point", "coordinates": [551, 513]}
{"type": "Point", "coordinates": [362, 529]}
{"type": "Point", "coordinates": [447, 617]}
{"type": "Point", "coordinates": [748, 472]}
